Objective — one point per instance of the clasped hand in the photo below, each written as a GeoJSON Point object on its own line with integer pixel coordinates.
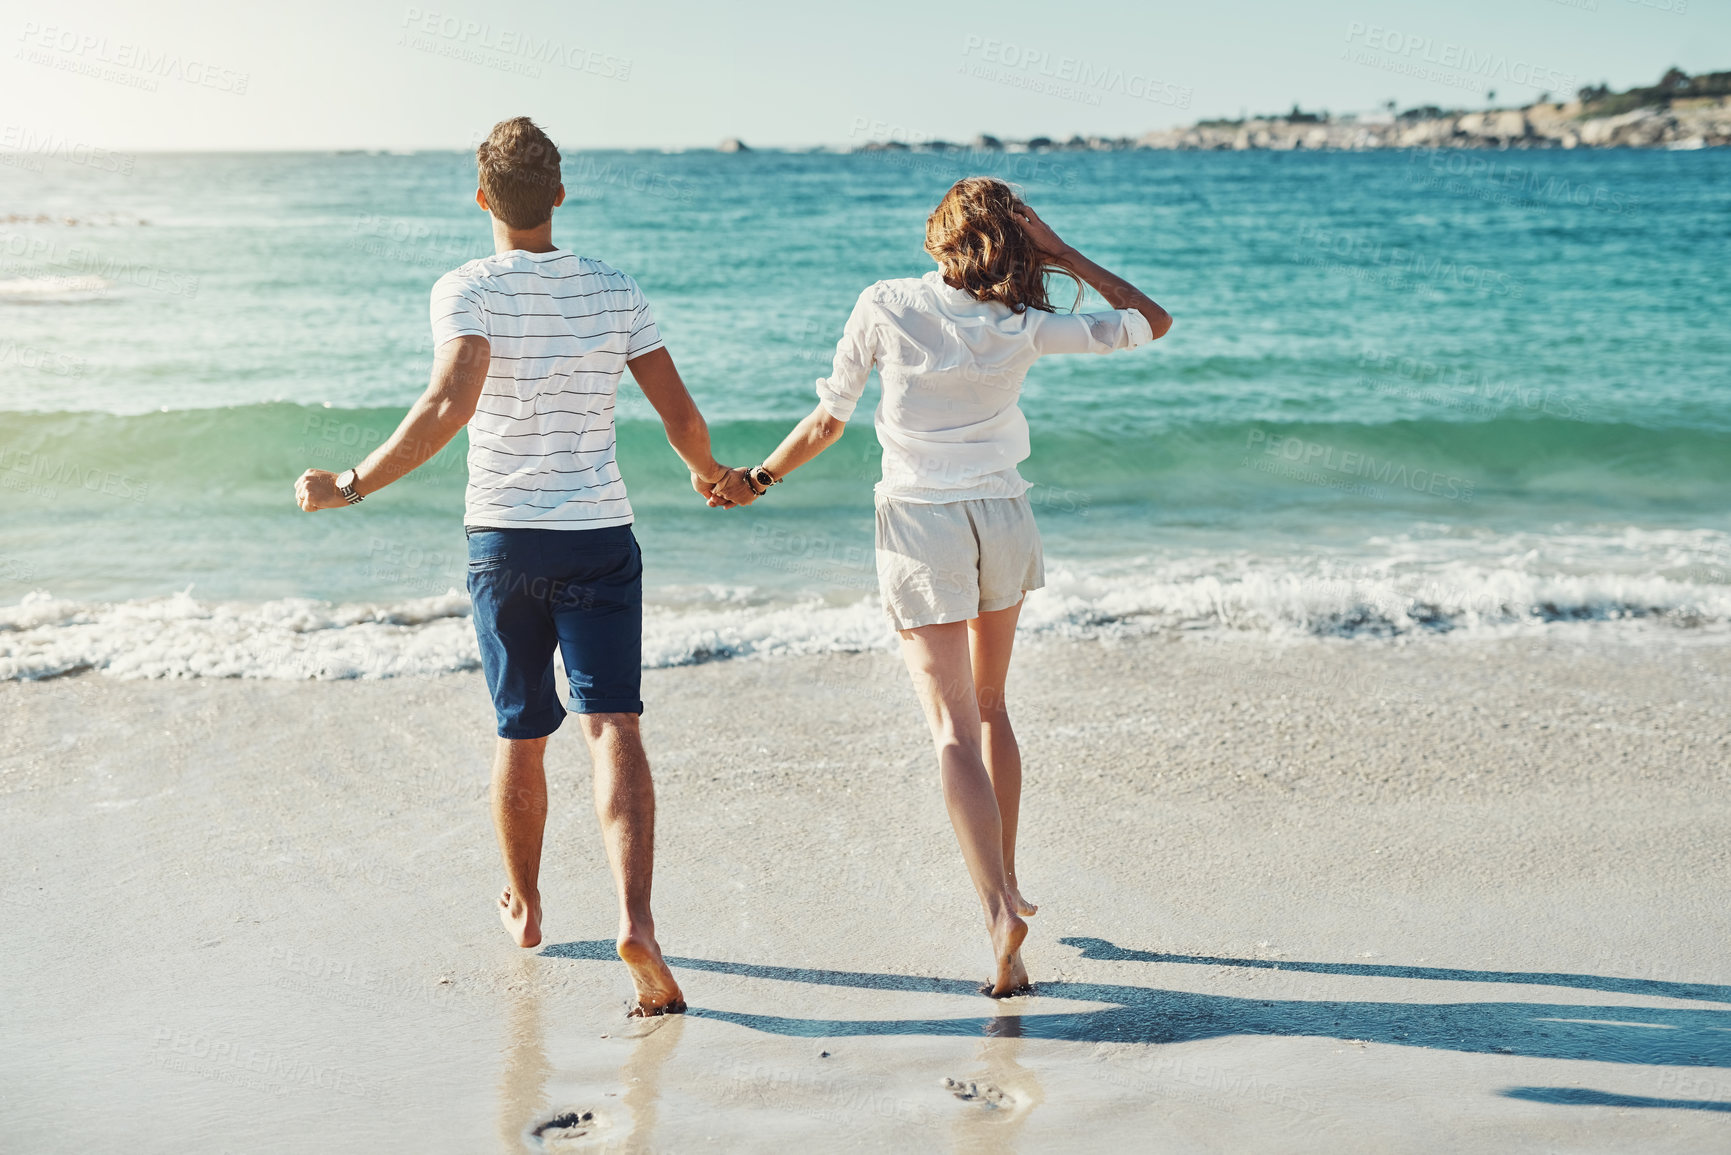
{"type": "Point", "coordinates": [725, 490]}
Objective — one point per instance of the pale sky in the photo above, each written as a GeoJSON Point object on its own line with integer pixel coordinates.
{"type": "Point", "coordinates": [192, 74]}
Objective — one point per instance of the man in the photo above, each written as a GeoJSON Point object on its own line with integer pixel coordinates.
{"type": "Point", "coordinates": [531, 343]}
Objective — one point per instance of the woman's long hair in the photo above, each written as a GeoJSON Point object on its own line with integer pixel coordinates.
{"type": "Point", "coordinates": [981, 247]}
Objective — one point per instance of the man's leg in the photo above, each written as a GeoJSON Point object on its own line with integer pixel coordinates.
{"type": "Point", "coordinates": [520, 817]}
{"type": "Point", "coordinates": [625, 806]}
{"type": "Point", "coordinates": [991, 636]}
{"type": "Point", "coordinates": [937, 657]}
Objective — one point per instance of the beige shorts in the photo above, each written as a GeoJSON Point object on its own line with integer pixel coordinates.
{"type": "Point", "coordinates": [956, 561]}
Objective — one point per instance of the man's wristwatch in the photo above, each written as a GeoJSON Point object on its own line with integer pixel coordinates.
{"type": "Point", "coordinates": [761, 479]}
{"type": "Point", "coordinates": [346, 487]}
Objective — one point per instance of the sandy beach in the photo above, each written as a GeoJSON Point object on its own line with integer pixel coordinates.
{"type": "Point", "coordinates": [1446, 895]}
{"type": "Point", "coordinates": [1344, 389]}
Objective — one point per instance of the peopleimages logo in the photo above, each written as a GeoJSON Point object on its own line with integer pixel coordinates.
{"type": "Point", "coordinates": [1521, 184]}
{"type": "Point", "coordinates": [1463, 386]}
{"type": "Point", "coordinates": [463, 37]}
{"type": "Point", "coordinates": [1397, 267]}
{"type": "Point", "coordinates": [1351, 463]}
{"type": "Point", "coordinates": [41, 360]}
{"type": "Point", "coordinates": [15, 138]}
{"type": "Point", "coordinates": [88, 51]}
{"type": "Point", "coordinates": [1088, 78]}
{"type": "Point", "coordinates": [44, 476]}
{"type": "Point", "coordinates": [1449, 63]}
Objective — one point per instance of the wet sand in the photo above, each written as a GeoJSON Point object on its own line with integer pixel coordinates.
{"type": "Point", "coordinates": [1443, 896]}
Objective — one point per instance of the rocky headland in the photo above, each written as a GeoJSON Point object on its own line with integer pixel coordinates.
{"type": "Point", "coordinates": [1679, 112]}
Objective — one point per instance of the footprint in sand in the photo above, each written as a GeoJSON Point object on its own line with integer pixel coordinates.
{"type": "Point", "coordinates": [568, 1130]}
{"type": "Point", "coordinates": [987, 1096]}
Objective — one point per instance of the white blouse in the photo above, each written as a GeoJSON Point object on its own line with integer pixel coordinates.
{"type": "Point", "coordinates": [952, 370]}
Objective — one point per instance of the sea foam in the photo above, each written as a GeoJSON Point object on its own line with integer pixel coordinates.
{"type": "Point", "coordinates": [57, 288]}
{"type": "Point", "coordinates": [296, 638]}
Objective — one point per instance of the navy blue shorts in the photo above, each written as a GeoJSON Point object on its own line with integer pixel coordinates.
{"type": "Point", "coordinates": [577, 590]}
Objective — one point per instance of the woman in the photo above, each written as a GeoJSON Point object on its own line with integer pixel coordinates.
{"type": "Point", "coordinates": [957, 548]}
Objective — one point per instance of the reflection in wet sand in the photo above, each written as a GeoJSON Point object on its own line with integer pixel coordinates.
{"type": "Point", "coordinates": [523, 1096]}
{"type": "Point", "coordinates": [642, 1077]}
{"type": "Point", "coordinates": [523, 1079]}
{"type": "Point", "coordinates": [1003, 1095]}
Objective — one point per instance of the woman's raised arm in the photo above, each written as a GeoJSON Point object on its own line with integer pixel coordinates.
{"type": "Point", "coordinates": [1118, 292]}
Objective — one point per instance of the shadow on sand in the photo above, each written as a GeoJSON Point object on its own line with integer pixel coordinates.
{"type": "Point", "coordinates": [1657, 1036]}
{"type": "Point", "coordinates": [1581, 1097]}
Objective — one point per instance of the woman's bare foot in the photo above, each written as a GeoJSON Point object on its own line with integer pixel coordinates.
{"type": "Point", "coordinates": [1019, 904]}
{"type": "Point", "coordinates": [1010, 976]}
{"type": "Point", "coordinates": [657, 993]}
{"type": "Point", "coordinates": [522, 919]}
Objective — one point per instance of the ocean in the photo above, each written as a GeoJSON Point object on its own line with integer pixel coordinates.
{"type": "Point", "coordinates": [1406, 394]}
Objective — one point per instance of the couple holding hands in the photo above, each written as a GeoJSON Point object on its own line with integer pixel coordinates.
{"type": "Point", "coordinates": [531, 345]}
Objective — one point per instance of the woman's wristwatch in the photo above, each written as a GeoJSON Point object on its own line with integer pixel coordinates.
{"type": "Point", "coordinates": [760, 479]}
{"type": "Point", "coordinates": [346, 487]}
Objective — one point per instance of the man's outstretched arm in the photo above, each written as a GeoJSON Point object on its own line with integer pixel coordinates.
{"type": "Point", "coordinates": [687, 431]}
{"type": "Point", "coordinates": [459, 372]}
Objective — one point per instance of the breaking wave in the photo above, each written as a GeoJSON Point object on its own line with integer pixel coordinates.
{"type": "Point", "coordinates": [181, 637]}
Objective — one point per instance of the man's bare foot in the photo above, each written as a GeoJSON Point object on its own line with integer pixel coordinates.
{"type": "Point", "coordinates": [657, 993]}
{"type": "Point", "coordinates": [522, 919]}
{"type": "Point", "coordinates": [1010, 977]}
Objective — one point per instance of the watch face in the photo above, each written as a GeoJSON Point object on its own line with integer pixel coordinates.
{"type": "Point", "coordinates": [346, 479]}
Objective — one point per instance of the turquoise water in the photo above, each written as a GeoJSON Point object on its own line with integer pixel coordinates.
{"type": "Point", "coordinates": [1403, 392]}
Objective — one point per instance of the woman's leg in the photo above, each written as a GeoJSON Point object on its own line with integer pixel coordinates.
{"type": "Point", "coordinates": [990, 638]}
{"type": "Point", "coordinates": [938, 658]}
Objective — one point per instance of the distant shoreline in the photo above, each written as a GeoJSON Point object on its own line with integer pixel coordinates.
{"type": "Point", "coordinates": [1678, 112]}
{"type": "Point", "coordinates": [1539, 126]}
{"type": "Point", "coordinates": [1536, 127]}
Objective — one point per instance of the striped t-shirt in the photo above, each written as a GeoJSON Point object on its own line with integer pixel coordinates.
{"type": "Point", "coordinates": [561, 328]}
